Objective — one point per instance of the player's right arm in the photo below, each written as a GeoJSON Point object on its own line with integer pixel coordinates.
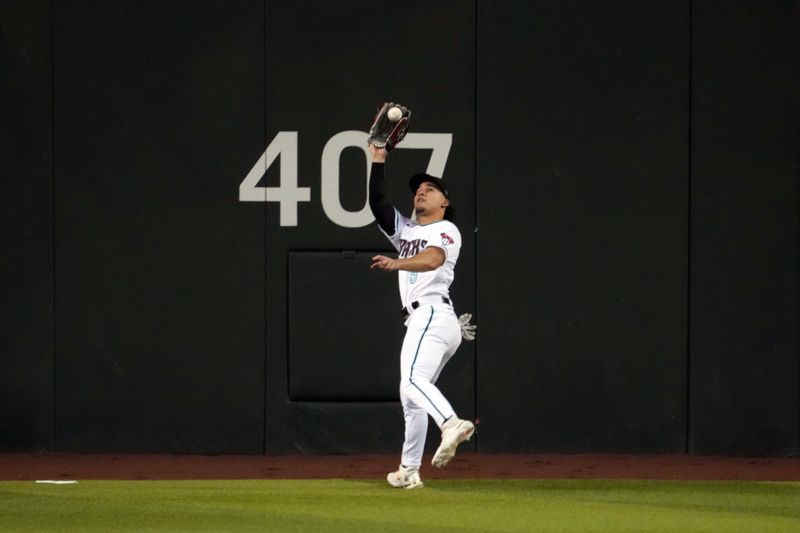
{"type": "Point", "coordinates": [383, 211]}
{"type": "Point", "coordinates": [429, 259]}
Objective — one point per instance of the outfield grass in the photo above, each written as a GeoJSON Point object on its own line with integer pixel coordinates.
{"type": "Point", "coordinates": [371, 506]}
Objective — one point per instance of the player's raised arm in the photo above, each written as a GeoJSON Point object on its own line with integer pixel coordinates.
{"type": "Point", "coordinates": [381, 208]}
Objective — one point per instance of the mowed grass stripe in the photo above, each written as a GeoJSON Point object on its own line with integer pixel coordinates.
{"type": "Point", "coordinates": [343, 505]}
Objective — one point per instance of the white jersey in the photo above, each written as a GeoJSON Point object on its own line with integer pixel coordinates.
{"type": "Point", "coordinates": [411, 238]}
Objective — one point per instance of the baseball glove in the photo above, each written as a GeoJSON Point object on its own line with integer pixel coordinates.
{"type": "Point", "coordinates": [385, 132]}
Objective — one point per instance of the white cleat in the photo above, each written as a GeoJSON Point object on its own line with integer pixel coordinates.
{"type": "Point", "coordinates": [454, 432]}
{"type": "Point", "coordinates": [405, 478]}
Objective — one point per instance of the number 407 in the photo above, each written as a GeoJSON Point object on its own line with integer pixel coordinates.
{"type": "Point", "coordinates": [289, 193]}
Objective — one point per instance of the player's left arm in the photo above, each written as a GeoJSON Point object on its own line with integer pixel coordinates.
{"type": "Point", "coordinates": [429, 259]}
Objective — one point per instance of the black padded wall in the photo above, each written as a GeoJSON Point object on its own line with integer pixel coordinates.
{"type": "Point", "coordinates": [26, 227]}
{"type": "Point", "coordinates": [744, 357]}
{"type": "Point", "coordinates": [160, 273]}
{"type": "Point", "coordinates": [186, 237]}
{"type": "Point", "coordinates": [582, 187]}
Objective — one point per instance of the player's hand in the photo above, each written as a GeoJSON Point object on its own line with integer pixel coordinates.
{"type": "Point", "coordinates": [381, 262]}
{"type": "Point", "coordinates": [379, 155]}
{"type": "Point", "coordinates": [467, 329]}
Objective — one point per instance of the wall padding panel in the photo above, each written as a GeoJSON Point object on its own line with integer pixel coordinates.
{"type": "Point", "coordinates": [332, 304]}
{"type": "Point", "coordinates": [159, 268]}
{"type": "Point", "coordinates": [582, 181]}
{"type": "Point", "coordinates": [319, 59]}
{"type": "Point", "coordinates": [26, 227]}
{"type": "Point", "coordinates": [744, 352]}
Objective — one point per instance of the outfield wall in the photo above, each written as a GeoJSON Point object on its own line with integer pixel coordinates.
{"type": "Point", "coordinates": [187, 242]}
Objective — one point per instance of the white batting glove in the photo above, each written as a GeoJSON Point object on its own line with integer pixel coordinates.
{"type": "Point", "coordinates": [467, 329]}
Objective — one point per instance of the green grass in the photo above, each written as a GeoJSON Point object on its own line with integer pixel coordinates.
{"type": "Point", "coordinates": [371, 506]}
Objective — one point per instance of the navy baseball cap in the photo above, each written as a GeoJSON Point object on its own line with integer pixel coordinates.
{"type": "Point", "coordinates": [418, 179]}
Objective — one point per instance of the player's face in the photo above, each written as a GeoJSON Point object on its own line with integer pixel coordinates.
{"type": "Point", "coordinates": [429, 199]}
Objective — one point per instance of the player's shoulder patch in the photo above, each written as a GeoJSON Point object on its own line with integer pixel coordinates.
{"type": "Point", "coordinates": [449, 234]}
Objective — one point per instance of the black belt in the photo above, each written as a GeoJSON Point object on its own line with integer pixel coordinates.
{"type": "Point", "coordinates": [415, 305]}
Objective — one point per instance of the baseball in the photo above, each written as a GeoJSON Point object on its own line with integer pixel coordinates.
{"type": "Point", "coordinates": [394, 114]}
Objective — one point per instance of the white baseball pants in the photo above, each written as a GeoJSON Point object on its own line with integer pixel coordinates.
{"type": "Point", "coordinates": [432, 337]}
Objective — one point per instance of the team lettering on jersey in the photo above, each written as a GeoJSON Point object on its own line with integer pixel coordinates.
{"type": "Point", "coordinates": [410, 248]}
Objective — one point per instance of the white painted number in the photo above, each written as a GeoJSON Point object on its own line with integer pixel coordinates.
{"type": "Point", "coordinates": [329, 180]}
{"type": "Point", "coordinates": [288, 195]}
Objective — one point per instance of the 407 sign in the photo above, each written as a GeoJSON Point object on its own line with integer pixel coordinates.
{"type": "Point", "coordinates": [288, 194]}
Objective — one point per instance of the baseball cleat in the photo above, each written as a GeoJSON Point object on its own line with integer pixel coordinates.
{"type": "Point", "coordinates": [405, 478]}
{"type": "Point", "coordinates": [453, 433]}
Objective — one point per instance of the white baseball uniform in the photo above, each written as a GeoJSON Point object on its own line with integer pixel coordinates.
{"type": "Point", "coordinates": [432, 330]}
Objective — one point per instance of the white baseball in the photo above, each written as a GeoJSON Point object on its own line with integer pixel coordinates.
{"type": "Point", "coordinates": [394, 114]}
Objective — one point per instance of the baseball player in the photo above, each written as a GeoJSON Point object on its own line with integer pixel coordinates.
{"type": "Point", "coordinates": [428, 250]}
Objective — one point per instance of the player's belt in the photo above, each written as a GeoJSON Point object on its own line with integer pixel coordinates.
{"type": "Point", "coordinates": [415, 305]}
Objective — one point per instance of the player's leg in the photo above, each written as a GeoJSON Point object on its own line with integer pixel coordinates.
{"type": "Point", "coordinates": [416, 431]}
{"type": "Point", "coordinates": [433, 335]}
{"type": "Point", "coordinates": [454, 432]}
{"type": "Point", "coordinates": [416, 420]}
{"type": "Point", "coordinates": [431, 339]}
{"type": "Point", "coordinates": [445, 360]}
